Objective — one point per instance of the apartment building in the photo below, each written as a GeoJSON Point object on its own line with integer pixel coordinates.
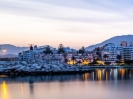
{"type": "Point", "coordinates": [110, 51]}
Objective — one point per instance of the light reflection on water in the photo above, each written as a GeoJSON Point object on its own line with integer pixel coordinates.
{"type": "Point", "coordinates": [100, 84]}
{"type": "Point", "coordinates": [4, 91]}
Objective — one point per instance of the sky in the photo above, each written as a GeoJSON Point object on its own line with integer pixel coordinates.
{"type": "Point", "coordinates": [73, 23]}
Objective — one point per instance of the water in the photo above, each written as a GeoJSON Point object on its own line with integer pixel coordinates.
{"type": "Point", "coordinates": [100, 84]}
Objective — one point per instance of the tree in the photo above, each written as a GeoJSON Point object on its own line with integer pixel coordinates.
{"type": "Point", "coordinates": [61, 49]}
{"type": "Point", "coordinates": [94, 62]}
{"type": "Point", "coordinates": [65, 57]}
{"type": "Point", "coordinates": [119, 57]}
{"type": "Point", "coordinates": [73, 58]}
{"type": "Point", "coordinates": [98, 53]}
{"type": "Point", "coordinates": [105, 56]}
{"type": "Point", "coordinates": [107, 63]}
{"type": "Point", "coordinates": [128, 62]}
{"type": "Point", "coordinates": [82, 50]}
{"type": "Point", "coordinates": [79, 62]}
{"type": "Point", "coordinates": [66, 60]}
{"type": "Point", "coordinates": [48, 50]}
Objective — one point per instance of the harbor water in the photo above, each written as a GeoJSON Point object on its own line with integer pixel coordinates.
{"type": "Point", "coordinates": [98, 84]}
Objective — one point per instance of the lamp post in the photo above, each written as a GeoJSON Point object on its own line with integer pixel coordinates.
{"type": "Point", "coordinates": [2, 50]}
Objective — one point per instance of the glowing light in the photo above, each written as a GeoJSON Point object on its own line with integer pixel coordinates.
{"type": "Point", "coordinates": [122, 71]}
{"type": "Point", "coordinates": [4, 91]}
{"type": "Point", "coordinates": [106, 75]}
{"type": "Point", "coordinates": [99, 75]}
{"type": "Point", "coordinates": [122, 62]}
{"type": "Point", "coordinates": [106, 52]}
{"type": "Point", "coordinates": [22, 88]}
{"type": "Point", "coordinates": [85, 62]}
{"type": "Point", "coordinates": [4, 88]}
{"type": "Point", "coordinates": [71, 62]}
{"type": "Point", "coordinates": [86, 76]}
{"type": "Point", "coordinates": [4, 50]}
{"type": "Point", "coordinates": [100, 62]}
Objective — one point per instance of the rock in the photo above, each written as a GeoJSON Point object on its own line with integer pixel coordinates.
{"type": "Point", "coordinates": [24, 62]}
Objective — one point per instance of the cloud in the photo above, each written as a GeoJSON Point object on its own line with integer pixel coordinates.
{"type": "Point", "coordinates": [67, 10]}
{"type": "Point", "coordinates": [66, 19]}
{"type": "Point", "coordinates": [51, 10]}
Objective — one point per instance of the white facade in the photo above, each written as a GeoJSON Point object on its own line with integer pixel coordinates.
{"type": "Point", "coordinates": [111, 51]}
{"type": "Point", "coordinates": [127, 53]}
{"type": "Point", "coordinates": [26, 55]}
{"type": "Point", "coordinates": [90, 57]}
{"type": "Point", "coordinates": [108, 53]}
{"type": "Point", "coordinates": [36, 53]}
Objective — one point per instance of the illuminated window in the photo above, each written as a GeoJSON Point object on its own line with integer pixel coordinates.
{"type": "Point", "coordinates": [106, 52]}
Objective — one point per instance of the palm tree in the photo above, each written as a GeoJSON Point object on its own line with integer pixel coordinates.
{"type": "Point", "coordinates": [119, 57]}
{"type": "Point", "coordinates": [48, 50]}
{"type": "Point", "coordinates": [98, 54]}
{"type": "Point", "coordinates": [105, 56]}
{"type": "Point", "coordinates": [65, 57]}
{"type": "Point", "coordinates": [61, 49]}
{"type": "Point", "coordinates": [82, 50]}
{"type": "Point", "coordinates": [73, 58]}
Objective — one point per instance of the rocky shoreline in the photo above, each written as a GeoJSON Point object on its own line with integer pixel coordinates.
{"type": "Point", "coordinates": [23, 67]}
{"type": "Point", "coordinates": [44, 67]}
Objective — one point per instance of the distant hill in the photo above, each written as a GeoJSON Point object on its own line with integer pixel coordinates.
{"type": "Point", "coordinates": [11, 49]}
{"type": "Point", "coordinates": [14, 50]}
{"type": "Point", "coordinates": [9, 56]}
{"type": "Point", "coordinates": [116, 40]}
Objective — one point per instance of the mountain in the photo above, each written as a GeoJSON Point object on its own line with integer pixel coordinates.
{"type": "Point", "coordinates": [11, 49]}
{"type": "Point", "coordinates": [116, 40]}
{"type": "Point", "coordinates": [9, 56]}
{"type": "Point", "coordinates": [14, 50]}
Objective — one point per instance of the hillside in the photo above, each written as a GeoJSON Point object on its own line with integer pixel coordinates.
{"type": "Point", "coordinates": [14, 50]}
{"type": "Point", "coordinates": [116, 40]}
{"type": "Point", "coordinates": [11, 49]}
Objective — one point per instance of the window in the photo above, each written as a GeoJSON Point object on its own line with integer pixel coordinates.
{"type": "Point", "coordinates": [106, 52]}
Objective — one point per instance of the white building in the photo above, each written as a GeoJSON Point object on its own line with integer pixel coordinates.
{"type": "Point", "coordinates": [110, 51]}
{"type": "Point", "coordinates": [26, 55]}
{"type": "Point", "coordinates": [127, 53]}
{"type": "Point", "coordinates": [33, 54]}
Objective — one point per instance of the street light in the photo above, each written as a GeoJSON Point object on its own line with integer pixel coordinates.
{"type": "Point", "coordinates": [2, 50]}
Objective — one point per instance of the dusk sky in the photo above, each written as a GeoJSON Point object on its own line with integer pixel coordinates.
{"type": "Point", "coordinates": [74, 23]}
